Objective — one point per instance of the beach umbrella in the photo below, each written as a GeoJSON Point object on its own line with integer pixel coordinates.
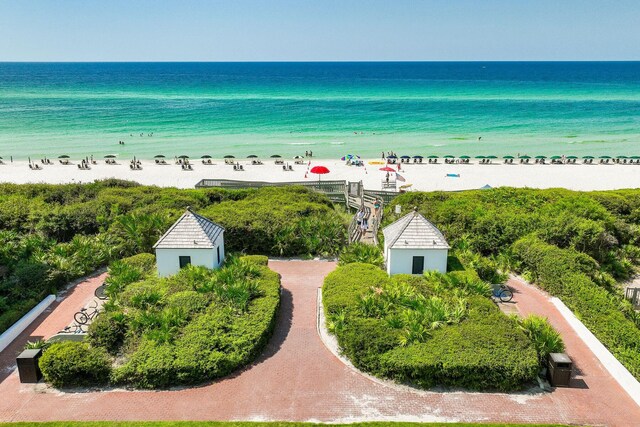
{"type": "Point", "coordinates": [319, 170]}
{"type": "Point", "coordinates": [159, 156]}
{"type": "Point", "coordinates": [555, 157]}
{"type": "Point", "coordinates": [605, 157]}
{"type": "Point", "coordinates": [252, 156]}
{"type": "Point", "coordinates": [64, 156]}
{"type": "Point", "coordinates": [448, 156]}
{"type": "Point", "coordinates": [632, 157]}
{"type": "Point", "coordinates": [492, 157]}
{"type": "Point", "coordinates": [540, 157]}
{"type": "Point", "coordinates": [229, 156]}
{"type": "Point", "coordinates": [206, 156]}
{"type": "Point", "coordinates": [276, 156]}
{"type": "Point", "coordinates": [465, 157]}
{"type": "Point", "coordinates": [298, 157]}
{"type": "Point", "coordinates": [387, 169]}
{"type": "Point", "coordinates": [572, 157]}
{"type": "Point", "coordinates": [405, 157]}
{"type": "Point", "coordinates": [418, 157]}
{"type": "Point", "coordinates": [432, 157]}
{"type": "Point", "coordinates": [184, 156]}
{"type": "Point", "coordinates": [525, 157]}
{"type": "Point", "coordinates": [480, 157]}
{"type": "Point", "coordinates": [110, 156]}
{"type": "Point", "coordinates": [621, 157]}
{"type": "Point", "coordinates": [587, 157]}
{"type": "Point", "coordinates": [392, 157]}
{"type": "Point", "coordinates": [507, 157]}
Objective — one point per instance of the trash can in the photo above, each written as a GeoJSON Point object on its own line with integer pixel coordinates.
{"type": "Point", "coordinates": [28, 368]}
{"type": "Point", "coordinates": [559, 368]}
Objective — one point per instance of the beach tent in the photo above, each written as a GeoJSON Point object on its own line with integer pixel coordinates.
{"type": "Point", "coordinates": [413, 245]}
{"type": "Point", "coordinates": [192, 239]}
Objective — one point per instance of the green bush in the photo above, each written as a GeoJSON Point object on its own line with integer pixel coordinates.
{"type": "Point", "coordinates": [53, 234]}
{"type": "Point", "coordinates": [70, 364]}
{"type": "Point", "coordinates": [187, 336]}
{"type": "Point", "coordinates": [569, 275]}
{"type": "Point", "coordinates": [545, 338]}
{"type": "Point", "coordinates": [108, 331]}
{"type": "Point", "coordinates": [362, 253]}
{"type": "Point", "coordinates": [432, 330]}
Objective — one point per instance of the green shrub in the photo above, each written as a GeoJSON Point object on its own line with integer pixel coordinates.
{"type": "Point", "coordinates": [190, 336]}
{"type": "Point", "coordinates": [362, 253]}
{"type": "Point", "coordinates": [544, 337]}
{"type": "Point", "coordinates": [256, 259]}
{"type": "Point", "coordinates": [108, 331]}
{"type": "Point", "coordinates": [69, 364]}
{"type": "Point", "coordinates": [420, 329]}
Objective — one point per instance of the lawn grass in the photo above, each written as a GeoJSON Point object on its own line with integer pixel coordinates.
{"type": "Point", "coordinates": [252, 424]}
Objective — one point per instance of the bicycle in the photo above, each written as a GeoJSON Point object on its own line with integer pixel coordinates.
{"type": "Point", "coordinates": [100, 292]}
{"type": "Point", "coordinates": [84, 316]}
{"type": "Point", "coordinates": [503, 293]}
{"type": "Point", "coordinates": [76, 328]}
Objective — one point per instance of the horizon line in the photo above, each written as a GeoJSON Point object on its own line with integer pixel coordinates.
{"type": "Point", "coordinates": [318, 61]}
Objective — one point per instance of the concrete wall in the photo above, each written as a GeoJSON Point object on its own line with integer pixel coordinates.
{"type": "Point", "coordinates": [168, 260]}
{"type": "Point", "coordinates": [400, 261]}
{"type": "Point", "coordinates": [17, 328]}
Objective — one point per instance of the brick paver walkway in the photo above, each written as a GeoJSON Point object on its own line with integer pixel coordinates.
{"type": "Point", "coordinates": [298, 379]}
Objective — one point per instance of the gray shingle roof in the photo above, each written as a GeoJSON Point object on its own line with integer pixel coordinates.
{"type": "Point", "coordinates": [191, 231]}
{"type": "Point", "coordinates": [413, 231]}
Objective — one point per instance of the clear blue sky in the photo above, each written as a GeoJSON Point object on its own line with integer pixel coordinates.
{"type": "Point", "coordinates": [300, 30]}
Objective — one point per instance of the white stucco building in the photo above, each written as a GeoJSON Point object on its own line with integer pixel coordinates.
{"type": "Point", "coordinates": [193, 239]}
{"type": "Point", "coordinates": [413, 245]}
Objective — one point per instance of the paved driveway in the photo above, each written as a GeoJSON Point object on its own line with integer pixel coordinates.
{"type": "Point", "coordinates": [298, 379]}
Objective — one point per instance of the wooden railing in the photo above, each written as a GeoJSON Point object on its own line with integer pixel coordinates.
{"type": "Point", "coordinates": [385, 196]}
{"type": "Point", "coordinates": [633, 295]}
{"type": "Point", "coordinates": [334, 190]}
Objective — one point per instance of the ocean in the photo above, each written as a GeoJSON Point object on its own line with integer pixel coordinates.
{"type": "Point", "coordinates": [331, 109]}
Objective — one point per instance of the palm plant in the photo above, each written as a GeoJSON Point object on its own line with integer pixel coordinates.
{"type": "Point", "coordinates": [544, 337]}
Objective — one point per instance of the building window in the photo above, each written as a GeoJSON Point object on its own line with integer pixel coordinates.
{"type": "Point", "coordinates": [218, 248]}
{"type": "Point", "coordinates": [184, 261]}
{"type": "Point", "coordinates": [418, 265]}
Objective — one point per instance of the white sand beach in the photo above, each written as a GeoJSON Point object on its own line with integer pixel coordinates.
{"type": "Point", "coordinates": [424, 177]}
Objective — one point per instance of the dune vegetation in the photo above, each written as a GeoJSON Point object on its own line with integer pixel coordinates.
{"type": "Point", "coordinates": [195, 326]}
{"type": "Point", "coordinates": [52, 234]}
{"type": "Point", "coordinates": [579, 246]}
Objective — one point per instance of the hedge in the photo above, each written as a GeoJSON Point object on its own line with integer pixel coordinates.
{"type": "Point", "coordinates": [180, 330]}
{"type": "Point", "coordinates": [69, 364]}
{"type": "Point", "coordinates": [484, 350]}
{"type": "Point", "coordinates": [568, 274]}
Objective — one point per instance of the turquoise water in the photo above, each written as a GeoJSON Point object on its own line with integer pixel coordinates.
{"type": "Point", "coordinates": [329, 108]}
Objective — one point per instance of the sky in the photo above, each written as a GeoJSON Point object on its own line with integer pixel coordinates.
{"type": "Point", "coordinates": [323, 30]}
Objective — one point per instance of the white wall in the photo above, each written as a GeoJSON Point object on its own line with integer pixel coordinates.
{"type": "Point", "coordinates": [400, 261]}
{"type": "Point", "coordinates": [168, 260]}
{"type": "Point", "coordinates": [17, 328]}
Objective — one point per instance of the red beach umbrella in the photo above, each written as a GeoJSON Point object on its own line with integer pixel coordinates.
{"type": "Point", "coordinates": [319, 170]}
{"type": "Point", "coordinates": [387, 169]}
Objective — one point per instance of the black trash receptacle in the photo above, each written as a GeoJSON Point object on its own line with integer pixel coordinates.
{"type": "Point", "coordinates": [559, 367]}
{"type": "Point", "coordinates": [28, 368]}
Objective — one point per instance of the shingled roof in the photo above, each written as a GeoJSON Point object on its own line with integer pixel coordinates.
{"type": "Point", "coordinates": [191, 231]}
{"type": "Point", "coordinates": [413, 231]}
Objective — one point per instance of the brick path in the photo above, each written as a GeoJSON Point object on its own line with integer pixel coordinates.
{"type": "Point", "coordinates": [298, 379]}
